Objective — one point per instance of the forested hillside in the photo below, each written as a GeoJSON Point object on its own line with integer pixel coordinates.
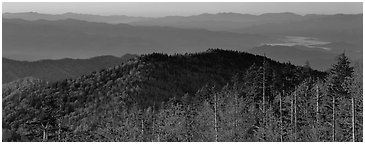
{"type": "Point", "coordinates": [217, 95]}
{"type": "Point", "coordinates": [17, 86]}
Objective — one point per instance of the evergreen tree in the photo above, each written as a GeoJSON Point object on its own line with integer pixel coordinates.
{"type": "Point", "coordinates": [339, 73]}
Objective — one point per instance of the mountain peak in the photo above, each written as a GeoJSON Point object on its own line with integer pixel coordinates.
{"type": "Point", "coordinates": [280, 14]}
{"type": "Point", "coordinates": [70, 13]}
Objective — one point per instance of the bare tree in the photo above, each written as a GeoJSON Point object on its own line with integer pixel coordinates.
{"type": "Point", "coordinates": [353, 118]}
{"type": "Point", "coordinates": [45, 131]}
{"type": "Point", "coordinates": [333, 119]}
{"type": "Point", "coordinates": [295, 114]}
{"type": "Point", "coordinates": [142, 130]}
{"type": "Point", "coordinates": [291, 116]}
{"type": "Point", "coordinates": [235, 115]}
{"type": "Point", "coordinates": [317, 104]}
{"type": "Point", "coordinates": [263, 85]}
{"type": "Point", "coordinates": [281, 118]}
{"type": "Point", "coordinates": [215, 117]}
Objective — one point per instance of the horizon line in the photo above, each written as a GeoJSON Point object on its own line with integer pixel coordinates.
{"type": "Point", "coordinates": [287, 12]}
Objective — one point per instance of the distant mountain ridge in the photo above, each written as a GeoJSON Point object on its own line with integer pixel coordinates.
{"type": "Point", "coordinates": [224, 21]}
{"type": "Point", "coordinates": [333, 28]}
{"type": "Point", "coordinates": [113, 19]}
{"type": "Point", "coordinates": [336, 28]}
{"type": "Point", "coordinates": [43, 39]}
{"type": "Point", "coordinates": [54, 70]}
{"type": "Point", "coordinates": [221, 21]}
{"type": "Point", "coordinates": [269, 23]}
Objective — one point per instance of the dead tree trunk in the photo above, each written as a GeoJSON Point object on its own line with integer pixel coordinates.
{"type": "Point", "coordinates": [142, 131]}
{"type": "Point", "coordinates": [215, 118]}
{"type": "Point", "coordinates": [153, 123]}
{"type": "Point", "coordinates": [235, 117]}
{"type": "Point", "coordinates": [59, 131]}
{"type": "Point", "coordinates": [333, 119]}
{"type": "Point", "coordinates": [353, 118]}
{"type": "Point", "coordinates": [281, 118]}
{"type": "Point", "coordinates": [317, 106]}
{"type": "Point", "coordinates": [291, 117]}
{"type": "Point", "coordinates": [45, 132]}
{"type": "Point", "coordinates": [188, 124]}
{"type": "Point", "coordinates": [295, 115]}
{"type": "Point", "coordinates": [263, 91]}
{"type": "Point", "coordinates": [263, 86]}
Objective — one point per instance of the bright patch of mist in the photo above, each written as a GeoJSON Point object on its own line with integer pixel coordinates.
{"type": "Point", "coordinates": [309, 42]}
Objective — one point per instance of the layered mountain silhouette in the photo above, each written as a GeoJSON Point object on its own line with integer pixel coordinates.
{"type": "Point", "coordinates": [221, 21]}
{"type": "Point", "coordinates": [54, 70]}
{"type": "Point", "coordinates": [322, 26]}
{"type": "Point", "coordinates": [344, 31]}
{"type": "Point", "coordinates": [42, 39]}
{"type": "Point", "coordinates": [215, 22]}
{"type": "Point", "coordinates": [334, 28]}
{"type": "Point", "coordinates": [228, 20]}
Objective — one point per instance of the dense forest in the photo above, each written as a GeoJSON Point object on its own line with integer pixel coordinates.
{"type": "Point", "coordinates": [217, 95]}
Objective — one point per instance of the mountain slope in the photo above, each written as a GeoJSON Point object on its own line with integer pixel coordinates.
{"type": "Point", "coordinates": [19, 85]}
{"type": "Point", "coordinates": [53, 70]}
{"type": "Point", "coordinates": [34, 40]}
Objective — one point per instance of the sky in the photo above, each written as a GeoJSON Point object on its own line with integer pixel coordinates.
{"type": "Point", "coordinates": [157, 9]}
